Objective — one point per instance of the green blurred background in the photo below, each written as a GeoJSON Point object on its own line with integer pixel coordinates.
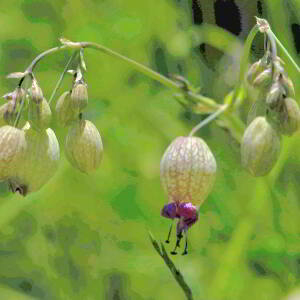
{"type": "Point", "coordinates": [86, 236]}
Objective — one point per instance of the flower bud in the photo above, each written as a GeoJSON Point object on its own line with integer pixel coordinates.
{"type": "Point", "coordinates": [64, 111]}
{"type": "Point", "coordinates": [254, 70]}
{"type": "Point", "coordinates": [263, 79]}
{"type": "Point", "coordinates": [36, 92]}
{"type": "Point", "coordinates": [79, 97]}
{"type": "Point", "coordinates": [188, 170]}
{"type": "Point", "coordinates": [39, 162]}
{"type": "Point", "coordinates": [275, 95]}
{"type": "Point", "coordinates": [7, 113]}
{"type": "Point", "coordinates": [260, 147]}
{"type": "Point", "coordinates": [289, 117]}
{"type": "Point", "coordinates": [12, 147]}
{"type": "Point", "coordinates": [39, 114]}
{"type": "Point", "coordinates": [83, 146]}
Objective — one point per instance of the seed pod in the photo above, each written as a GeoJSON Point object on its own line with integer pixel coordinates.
{"type": "Point", "coordinates": [39, 162]}
{"type": "Point", "coordinates": [83, 146]}
{"type": "Point", "coordinates": [79, 97]}
{"type": "Point", "coordinates": [263, 79]}
{"type": "Point", "coordinates": [188, 170]}
{"type": "Point", "coordinates": [12, 147]}
{"type": "Point", "coordinates": [39, 114]}
{"type": "Point", "coordinates": [275, 95]}
{"type": "Point", "coordinates": [260, 147]}
{"type": "Point", "coordinates": [254, 70]}
{"type": "Point", "coordinates": [36, 93]}
{"type": "Point", "coordinates": [289, 117]}
{"type": "Point", "coordinates": [64, 111]}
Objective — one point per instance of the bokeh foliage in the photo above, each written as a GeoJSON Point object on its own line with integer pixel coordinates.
{"type": "Point", "coordinates": [85, 237]}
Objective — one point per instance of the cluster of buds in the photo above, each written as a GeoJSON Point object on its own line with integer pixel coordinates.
{"type": "Point", "coordinates": [187, 172]}
{"type": "Point", "coordinates": [279, 114]}
{"type": "Point", "coordinates": [83, 144]}
{"type": "Point", "coordinates": [29, 156]}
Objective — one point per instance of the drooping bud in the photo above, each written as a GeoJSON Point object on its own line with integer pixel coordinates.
{"type": "Point", "coordinates": [260, 147]}
{"type": "Point", "coordinates": [188, 170]}
{"type": "Point", "coordinates": [16, 96]}
{"type": "Point", "coordinates": [83, 146]}
{"type": "Point", "coordinates": [254, 70]}
{"type": "Point", "coordinates": [289, 117]}
{"type": "Point", "coordinates": [79, 97]}
{"type": "Point", "coordinates": [12, 147]}
{"type": "Point", "coordinates": [263, 79]}
{"type": "Point", "coordinates": [39, 162]}
{"type": "Point", "coordinates": [36, 93]}
{"type": "Point", "coordinates": [8, 113]}
{"type": "Point", "coordinates": [64, 111]}
{"type": "Point", "coordinates": [275, 95]}
{"type": "Point", "coordinates": [39, 114]}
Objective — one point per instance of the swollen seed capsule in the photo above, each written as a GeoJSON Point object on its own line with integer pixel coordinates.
{"type": "Point", "coordinates": [39, 162]}
{"type": "Point", "coordinates": [12, 148]}
{"type": "Point", "coordinates": [188, 170]}
{"type": "Point", "coordinates": [260, 147]}
{"type": "Point", "coordinates": [64, 111]}
{"type": "Point", "coordinates": [39, 114]}
{"type": "Point", "coordinates": [79, 97]}
{"type": "Point", "coordinates": [290, 117]}
{"type": "Point", "coordinates": [83, 146]}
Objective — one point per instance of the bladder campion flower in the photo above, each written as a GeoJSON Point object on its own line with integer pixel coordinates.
{"type": "Point", "coordinates": [188, 171]}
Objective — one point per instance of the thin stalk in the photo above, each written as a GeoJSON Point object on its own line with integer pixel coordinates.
{"type": "Point", "coordinates": [244, 61]}
{"type": "Point", "coordinates": [208, 119]}
{"type": "Point", "coordinates": [33, 64]}
{"type": "Point", "coordinates": [272, 34]}
{"type": "Point", "coordinates": [59, 82]}
{"type": "Point", "coordinates": [169, 263]}
{"type": "Point", "coordinates": [22, 104]}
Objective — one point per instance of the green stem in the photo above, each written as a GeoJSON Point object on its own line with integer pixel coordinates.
{"type": "Point", "coordinates": [22, 103]}
{"type": "Point", "coordinates": [42, 55]}
{"type": "Point", "coordinates": [169, 263]}
{"type": "Point", "coordinates": [58, 84]}
{"type": "Point", "coordinates": [208, 119]}
{"type": "Point", "coordinates": [271, 33]}
{"type": "Point", "coordinates": [244, 60]}
{"type": "Point", "coordinates": [139, 67]}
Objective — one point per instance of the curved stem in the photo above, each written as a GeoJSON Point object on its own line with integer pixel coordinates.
{"type": "Point", "coordinates": [208, 119]}
{"type": "Point", "coordinates": [139, 67]}
{"type": "Point", "coordinates": [244, 60]}
{"type": "Point", "coordinates": [271, 33]}
{"type": "Point", "coordinates": [273, 44]}
{"type": "Point", "coordinates": [33, 64]}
